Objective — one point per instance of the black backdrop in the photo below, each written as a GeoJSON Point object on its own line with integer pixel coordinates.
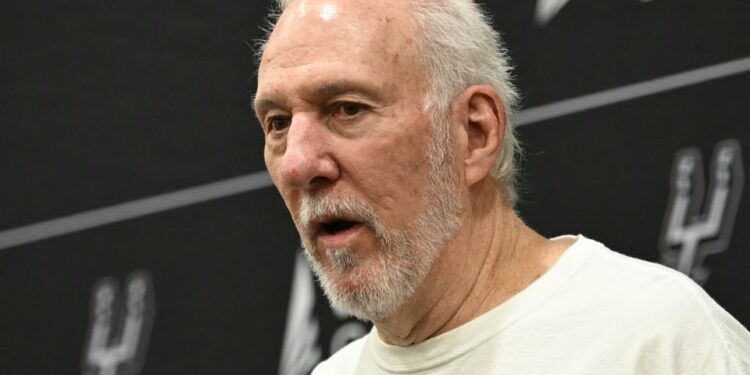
{"type": "Point", "coordinates": [133, 195]}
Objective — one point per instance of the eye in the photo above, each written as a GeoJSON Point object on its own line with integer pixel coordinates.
{"type": "Point", "coordinates": [348, 109]}
{"type": "Point", "coordinates": [279, 123]}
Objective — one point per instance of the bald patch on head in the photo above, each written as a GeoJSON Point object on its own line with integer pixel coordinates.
{"type": "Point", "coordinates": [381, 25]}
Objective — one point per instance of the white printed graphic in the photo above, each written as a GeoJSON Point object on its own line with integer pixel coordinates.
{"type": "Point", "coordinates": [699, 222]}
{"type": "Point", "coordinates": [120, 326]}
{"type": "Point", "coordinates": [346, 332]}
{"type": "Point", "coordinates": [302, 349]}
{"type": "Point", "coordinates": [546, 10]}
{"type": "Point", "coordinates": [301, 352]}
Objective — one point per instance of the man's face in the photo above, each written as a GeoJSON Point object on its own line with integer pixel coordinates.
{"type": "Point", "coordinates": [353, 152]}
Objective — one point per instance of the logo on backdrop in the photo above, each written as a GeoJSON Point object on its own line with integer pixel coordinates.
{"type": "Point", "coordinates": [699, 222]}
{"type": "Point", "coordinates": [546, 10]}
{"type": "Point", "coordinates": [120, 326]}
{"type": "Point", "coordinates": [302, 349]}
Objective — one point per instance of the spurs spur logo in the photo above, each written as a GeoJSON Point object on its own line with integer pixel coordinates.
{"type": "Point", "coordinates": [546, 10]}
{"type": "Point", "coordinates": [120, 326]}
{"type": "Point", "coordinates": [301, 350]}
{"type": "Point", "coordinates": [699, 222]}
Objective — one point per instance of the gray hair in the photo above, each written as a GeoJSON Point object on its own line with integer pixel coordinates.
{"type": "Point", "coordinates": [458, 47]}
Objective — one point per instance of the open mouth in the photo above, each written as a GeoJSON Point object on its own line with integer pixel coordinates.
{"type": "Point", "coordinates": [337, 226]}
{"type": "Point", "coordinates": [336, 231]}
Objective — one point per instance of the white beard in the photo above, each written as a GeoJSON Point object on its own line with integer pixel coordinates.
{"type": "Point", "coordinates": [405, 256]}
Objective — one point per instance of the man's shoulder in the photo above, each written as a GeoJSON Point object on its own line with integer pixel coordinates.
{"type": "Point", "coordinates": [646, 285]}
{"type": "Point", "coordinates": [343, 361]}
{"type": "Point", "coordinates": [664, 305]}
{"type": "Point", "coordinates": [624, 273]}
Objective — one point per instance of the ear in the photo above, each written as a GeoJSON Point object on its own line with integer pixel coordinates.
{"type": "Point", "coordinates": [482, 114]}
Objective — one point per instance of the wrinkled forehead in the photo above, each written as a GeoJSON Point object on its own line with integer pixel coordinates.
{"type": "Point", "coordinates": [357, 30]}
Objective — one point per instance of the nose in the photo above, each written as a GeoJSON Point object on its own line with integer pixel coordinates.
{"type": "Point", "coordinates": [307, 161]}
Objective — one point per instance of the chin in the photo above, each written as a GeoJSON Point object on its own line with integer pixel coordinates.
{"type": "Point", "coordinates": [366, 293]}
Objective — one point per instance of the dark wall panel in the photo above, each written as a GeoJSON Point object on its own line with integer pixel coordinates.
{"type": "Point", "coordinates": [106, 104]}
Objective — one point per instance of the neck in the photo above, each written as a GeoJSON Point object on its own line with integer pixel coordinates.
{"type": "Point", "coordinates": [492, 257]}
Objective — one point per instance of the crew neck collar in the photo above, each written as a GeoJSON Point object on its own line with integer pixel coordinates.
{"type": "Point", "coordinates": [449, 345]}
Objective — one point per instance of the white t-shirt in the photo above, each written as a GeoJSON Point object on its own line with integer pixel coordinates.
{"type": "Point", "coordinates": [595, 312]}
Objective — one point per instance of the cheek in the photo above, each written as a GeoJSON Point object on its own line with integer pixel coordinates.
{"type": "Point", "coordinates": [406, 154]}
{"type": "Point", "coordinates": [393, 169]}
{"type": "Point", "coordinates": [273, 165]}
{"type": "Point", "coordinates": [291, 201]}
{"type": "Point", "coordinates": [274, 148]}
{"type": "Point", "coordinates": [268, 158]}
{"type": "Point", "coordinates": [288, 195]}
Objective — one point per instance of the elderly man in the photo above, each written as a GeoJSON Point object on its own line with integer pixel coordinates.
{"type": "Point", "coordinates": [387, 135]}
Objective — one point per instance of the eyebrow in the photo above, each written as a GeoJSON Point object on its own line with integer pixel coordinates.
{"type": "Point", "coordinates": [322, 92]}
{"type": "Point", "coordinates": [263, 105]}
{"type": "Point", "coordinates": [334, 88]}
